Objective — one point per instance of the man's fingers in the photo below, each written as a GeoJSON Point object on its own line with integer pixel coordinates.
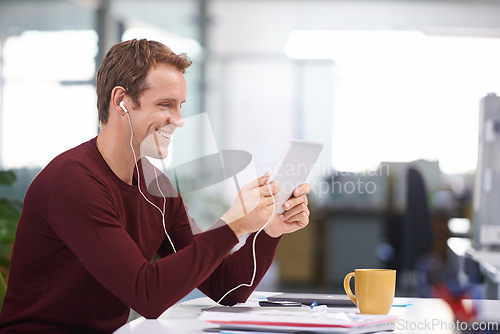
{"type": "Point", "coordinates": [269, 200]}
{"type": "Point", "coordinates": [259, 182]}
{"type": "Point", "coordinates": [264, 189]}
{"type": "Point", "coordinates": [296, 212]}
{"type": "Point", "coordinates": [263, 179]}
{"type": "Point", "coordinates": [302, 190]}
{"type": "Point", "coordinates": [294, 201]}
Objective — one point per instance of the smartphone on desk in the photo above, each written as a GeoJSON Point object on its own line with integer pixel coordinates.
{"type": "Point", "coordinates": [310, 298]}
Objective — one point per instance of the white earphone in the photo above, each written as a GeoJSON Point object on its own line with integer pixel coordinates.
{"type": "Point", "coordinates": [122, 105]}
{"type": "Point", "coordinates": [162, 212]}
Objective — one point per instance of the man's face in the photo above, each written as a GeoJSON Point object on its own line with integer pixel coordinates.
{"type": "Point", "coordinates": [160, 112]}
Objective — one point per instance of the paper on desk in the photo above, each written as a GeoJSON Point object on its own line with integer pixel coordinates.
{"type": "Point", "coordinates": [402, 302]}
{"type": "Point", "coordinates": [293, 320]}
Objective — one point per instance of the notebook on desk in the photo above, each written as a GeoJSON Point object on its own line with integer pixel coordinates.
{"type": "Point", "coordinates": [309, 298]}
{"type": "Point", "coordinates": [302, 319]}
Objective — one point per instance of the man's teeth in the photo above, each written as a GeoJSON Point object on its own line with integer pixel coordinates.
{"type": "Point", "coordinates": [163, 134]}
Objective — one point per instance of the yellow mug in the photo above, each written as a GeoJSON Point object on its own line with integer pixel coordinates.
{"type": "Point", "coordinates": [374, 289]}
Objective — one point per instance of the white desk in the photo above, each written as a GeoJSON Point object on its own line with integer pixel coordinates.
{"type": "Point", "coordinates": [423, 316]}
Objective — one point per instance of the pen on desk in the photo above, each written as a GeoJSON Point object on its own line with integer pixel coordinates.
{"type": "Point", "coordinates": [313, 305]}
{"type": "Point", "coordinates": [267, 303]}
{"type": "Point", "coordinates": [242, 332]}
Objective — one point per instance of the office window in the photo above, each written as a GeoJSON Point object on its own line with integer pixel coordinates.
{"type": "Point", "coordinates": [403, 96]}
{"type": "Point", "coordinates": [49, 102]}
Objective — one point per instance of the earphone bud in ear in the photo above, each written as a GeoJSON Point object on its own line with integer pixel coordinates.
{"type": "Point", "coordinates": [122, 105]}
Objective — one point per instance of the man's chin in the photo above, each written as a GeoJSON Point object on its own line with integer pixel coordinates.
{"type": "Point", "coordinates": [153, 148]}
{"type": "Point", "coordinates": [157, 154]}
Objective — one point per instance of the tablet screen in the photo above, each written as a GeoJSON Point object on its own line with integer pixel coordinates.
{"type": "Point", "coordinates": [293, 167]}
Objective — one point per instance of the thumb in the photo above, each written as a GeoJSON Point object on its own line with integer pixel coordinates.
{"type": "Point", "coordinates": [263, 179]}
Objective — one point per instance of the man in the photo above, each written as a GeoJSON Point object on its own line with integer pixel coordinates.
{"type": "Point", "coordinates": [90, 228]}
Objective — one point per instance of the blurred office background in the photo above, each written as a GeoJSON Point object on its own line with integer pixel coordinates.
{"type": "Point", "coordinates": [384, 85]}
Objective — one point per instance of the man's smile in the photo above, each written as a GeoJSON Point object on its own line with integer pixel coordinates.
{"type": "Point", "coordinates": [164, 134]}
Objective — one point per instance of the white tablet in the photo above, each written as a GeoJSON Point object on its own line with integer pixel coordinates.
{"type": "Point", "coordinates": [293, 167]}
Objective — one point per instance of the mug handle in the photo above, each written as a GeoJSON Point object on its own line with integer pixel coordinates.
{"type": "Point", "coordinates": [347, 287]}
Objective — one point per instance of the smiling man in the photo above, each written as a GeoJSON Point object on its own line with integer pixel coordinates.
{"type": "Point", "coordinates": [89, 229]}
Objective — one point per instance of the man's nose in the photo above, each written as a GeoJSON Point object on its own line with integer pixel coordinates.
{"type": "Point", "coordinates": [179, 122]}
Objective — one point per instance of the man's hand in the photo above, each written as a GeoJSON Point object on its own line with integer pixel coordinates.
{"type": "Point", "coordinates": [252, 207]}
{"type": "Point", "coordinates": [295, 217]}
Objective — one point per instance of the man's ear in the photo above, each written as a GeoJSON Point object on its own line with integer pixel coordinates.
{"type": "Point", "coordinates": [118, 94]}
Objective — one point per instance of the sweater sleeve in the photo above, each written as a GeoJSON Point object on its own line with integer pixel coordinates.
{"type": "Point", "coordinates": [236, 268]}
{"type": "Point", "coordinates": [82, 213]}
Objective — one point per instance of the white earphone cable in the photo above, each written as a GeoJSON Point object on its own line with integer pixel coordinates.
{"type": "Point", "coordinates": [162, 212]}
{"type": "Point", "coordinates": [253, 250]}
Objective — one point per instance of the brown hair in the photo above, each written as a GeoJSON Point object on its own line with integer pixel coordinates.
{"type": "Point", "coordinates": [127, 64]}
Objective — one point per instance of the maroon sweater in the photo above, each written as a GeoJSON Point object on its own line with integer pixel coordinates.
{"type": "Point", "coordinates": [85, 244]}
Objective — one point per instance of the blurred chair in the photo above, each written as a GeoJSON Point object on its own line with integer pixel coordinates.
{"type": "Point", "coordinates": [418, 235]}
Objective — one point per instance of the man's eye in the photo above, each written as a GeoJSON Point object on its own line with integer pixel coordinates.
{"type": "Point", "coordinates": [165, 105]}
